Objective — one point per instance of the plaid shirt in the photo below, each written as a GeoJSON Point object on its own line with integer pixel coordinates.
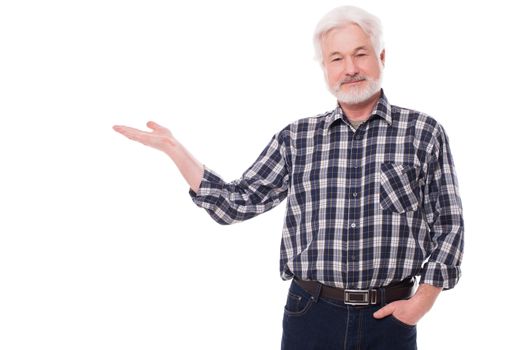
{"type": "Point", "coordinates": [365, 208]}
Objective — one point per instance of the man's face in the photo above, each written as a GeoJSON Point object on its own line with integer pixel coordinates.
{"type": "Point", "coordinates": [352, 69]}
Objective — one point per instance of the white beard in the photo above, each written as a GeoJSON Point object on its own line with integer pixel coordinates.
{"type": "Point", "coordinates": [356, 95]}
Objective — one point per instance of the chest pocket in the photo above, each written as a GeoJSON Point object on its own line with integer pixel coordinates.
{"type": "Point", "coordinates": [399, 187]}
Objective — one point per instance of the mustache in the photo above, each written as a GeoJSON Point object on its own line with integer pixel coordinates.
{"type": "Point", "coordinates": [351, 79]}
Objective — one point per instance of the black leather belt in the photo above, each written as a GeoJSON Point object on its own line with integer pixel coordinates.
{"type": "Point", "coordinates": [383, 295]}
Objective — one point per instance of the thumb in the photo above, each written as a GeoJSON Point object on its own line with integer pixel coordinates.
{"type": "Point", "coordinates": [154, 126]}
{"type": "Point", "coordinates": [384, 311]}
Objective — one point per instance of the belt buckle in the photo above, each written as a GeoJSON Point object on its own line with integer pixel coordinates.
{"type": "Point", "coordinates": [360, 297]}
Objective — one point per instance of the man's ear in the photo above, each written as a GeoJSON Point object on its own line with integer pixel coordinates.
{"type": "Point", "coordinates": [382, 57]}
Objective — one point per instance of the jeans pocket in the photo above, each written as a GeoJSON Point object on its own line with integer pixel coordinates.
{"type": "Point", "coordinates": [401, 323]}
{"type": "Point", "coordinates": [297, 305]}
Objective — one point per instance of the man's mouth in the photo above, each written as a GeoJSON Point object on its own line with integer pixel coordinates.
{"type": "Point", "coordinates": [352, 81]}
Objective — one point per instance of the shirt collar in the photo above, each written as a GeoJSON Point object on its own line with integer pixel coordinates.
{"type": "Point", "coordinates": [382, 109]}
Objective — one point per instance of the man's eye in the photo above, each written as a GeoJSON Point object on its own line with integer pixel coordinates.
{"type": "Point", "coordinates": [336, 59]}
{"type": "Point", "coordinates": [361, 55]}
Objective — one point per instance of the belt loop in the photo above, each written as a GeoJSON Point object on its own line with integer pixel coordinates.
{"type": "Point", "coordinates": [383, 298]}
{"type": "Point", "coordinates": [374, 297]}
{"type": "Point", "coordinates": [315, 296]}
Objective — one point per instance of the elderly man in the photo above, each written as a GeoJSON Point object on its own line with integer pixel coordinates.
{"type": "Point", "coordinates": [372, 201]}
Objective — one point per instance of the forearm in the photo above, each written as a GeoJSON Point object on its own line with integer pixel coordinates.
{"type": "Point", "coordinates": [190, 168]}
{"type": "Point", "coordinates": [427, 294]}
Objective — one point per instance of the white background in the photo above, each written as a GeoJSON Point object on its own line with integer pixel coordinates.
{"type": "Point", "coordinates": [101, 246]}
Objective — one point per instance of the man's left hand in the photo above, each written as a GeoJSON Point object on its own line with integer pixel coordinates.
{"type": "Point", "coordinates": [412, 310]}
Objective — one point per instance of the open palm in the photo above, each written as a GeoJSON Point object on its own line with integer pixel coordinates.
{"type": "Point", "coordinates": [159, 138]}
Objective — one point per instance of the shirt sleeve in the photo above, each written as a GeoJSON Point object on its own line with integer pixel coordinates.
{"type": "Point", "coordinates": [261, 187]}
{"type": "Point", "coordinates": [444, 215]}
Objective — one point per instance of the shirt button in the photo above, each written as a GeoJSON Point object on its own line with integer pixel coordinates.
{"type": "Point", "coordinates": [354, 194]}
{"type": "Point", "coordinates": [353, 225]}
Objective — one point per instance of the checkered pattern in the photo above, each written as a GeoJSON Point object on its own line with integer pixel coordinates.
{"type": "Point", "coordinates": [364, 208]}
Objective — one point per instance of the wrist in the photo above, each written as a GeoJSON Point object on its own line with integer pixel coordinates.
{"type": "Point", "coordinates": [171, 147]}
{"type": "Point", "coordinates": [427, 294]}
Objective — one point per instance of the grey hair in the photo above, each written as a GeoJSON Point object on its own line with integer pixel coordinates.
{"type": "Point", "coordinates": [344, 15]}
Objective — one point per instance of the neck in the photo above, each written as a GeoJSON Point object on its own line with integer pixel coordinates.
{"type": "Point", "coordinates": [360, 111]}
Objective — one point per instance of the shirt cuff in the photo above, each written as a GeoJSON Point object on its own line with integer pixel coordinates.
{"type": "Point", "coordinates": [209, 190]}
{"type": "Point", "coordinates": [440, 275]}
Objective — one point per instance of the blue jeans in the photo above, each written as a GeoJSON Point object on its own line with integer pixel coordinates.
{"type": "Point", "coordinates": [314, 323]}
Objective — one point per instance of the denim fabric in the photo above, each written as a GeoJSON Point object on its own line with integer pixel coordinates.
{"type": "Point", "coordinates": [313, 323]}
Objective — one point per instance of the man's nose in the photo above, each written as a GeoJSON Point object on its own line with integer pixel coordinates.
{"type": "Point", "coordinates": [350, 67]}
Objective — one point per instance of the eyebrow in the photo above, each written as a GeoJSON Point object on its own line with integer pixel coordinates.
{"type": "Point", "coordinates": [360, 48]}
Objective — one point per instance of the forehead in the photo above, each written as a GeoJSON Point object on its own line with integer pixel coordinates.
{"type": "Point", "coordinates": [344, 39]}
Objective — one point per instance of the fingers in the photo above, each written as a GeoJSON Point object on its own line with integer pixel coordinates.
{"type": "Point", "coordinates": [385, 311]}
{"type": "Point", "coordinates": [132, 133]}
{"type": "Point", "coordinates": [127, 130]}
{"type": "Point", "coordinates": [152, 125]}
{"type": "Point", "coordinates": [158, 138]}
